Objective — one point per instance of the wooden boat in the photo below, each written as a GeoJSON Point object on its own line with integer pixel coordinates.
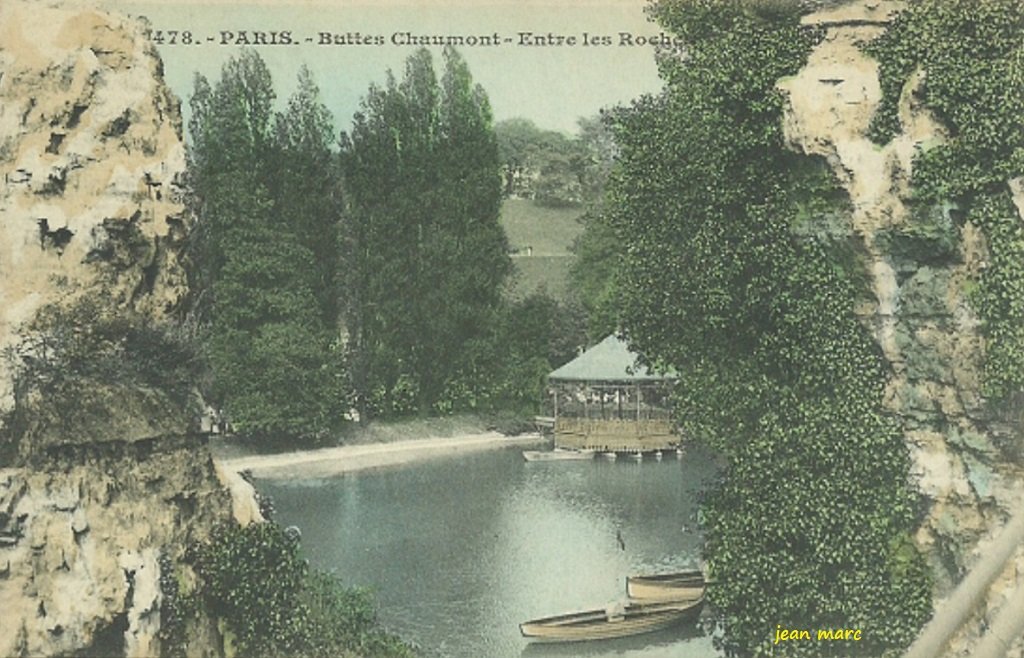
{"type": "Point", "coordinates": [558, 454]}
{"type": "Point", "coordinates": [615, 621]}
{"type": "Point", "coordinates": [680, 586]}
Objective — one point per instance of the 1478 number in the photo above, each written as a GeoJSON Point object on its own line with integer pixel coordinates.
{"type": "Point", "coordinates": [171, 37]}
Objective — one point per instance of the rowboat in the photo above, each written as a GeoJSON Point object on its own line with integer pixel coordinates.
{"type": "Point", "coordinates": [558, 454]}
{"type": "Point", "coordinates": [681, 586]}
{"type": "Point", "coordinates": [618, 620]}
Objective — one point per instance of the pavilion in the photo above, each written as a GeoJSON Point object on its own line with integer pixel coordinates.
{"type": "Point", "coordinates": [603, 400]}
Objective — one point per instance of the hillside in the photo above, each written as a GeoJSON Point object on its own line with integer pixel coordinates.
{"type": "Point", "coordinates": [540, 239]}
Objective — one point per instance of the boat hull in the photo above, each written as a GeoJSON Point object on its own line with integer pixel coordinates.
{"type": "Point", "coordinates": [558, 454]}
{"type": "Point", "coordinates": [682, 586]}
{"type": "Point", "coordinates": [634, 619]}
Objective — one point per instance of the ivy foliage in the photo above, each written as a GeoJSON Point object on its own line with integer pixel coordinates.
{"type": "Point", "coordinates": [972, 57]}
{"type": "Point", "coordinates": [256, 580]}
{"type": "Point", "coordinates": [730, 273]}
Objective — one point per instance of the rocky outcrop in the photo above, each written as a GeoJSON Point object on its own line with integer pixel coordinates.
{"type": "Point", "coordinates": [922, 261]}
{"type": "Point", "coordinates": [106, 487]}
{"type": "Point", "coordinates": [81, 545]}
{"type": "Point", "coordinates": [90, 157]}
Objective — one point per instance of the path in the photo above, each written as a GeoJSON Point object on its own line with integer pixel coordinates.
{"type": "Point", "coordinates": [326, 462]}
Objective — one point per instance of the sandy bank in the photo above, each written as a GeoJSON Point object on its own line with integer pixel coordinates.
{"type": "Point", "coordinates": [345, 459]}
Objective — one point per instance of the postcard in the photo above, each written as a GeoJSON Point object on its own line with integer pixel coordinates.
{"type": "Point", "coordinates": [488, 328]}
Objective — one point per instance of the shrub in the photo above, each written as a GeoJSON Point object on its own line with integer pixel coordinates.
{"type": "Point", "coordinates": [256, 580]}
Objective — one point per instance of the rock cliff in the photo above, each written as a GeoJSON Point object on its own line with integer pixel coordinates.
{"type": "Point", "coordinates": [102, 494]}
{"type": "Point", "coordinates": [91, 156]}
{"type": "Point", "coordinates": [921, 263]}
{"type": "Point", "coordinates": [85, 541]}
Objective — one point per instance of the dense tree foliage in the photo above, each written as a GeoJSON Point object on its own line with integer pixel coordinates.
{"type": "Point", "coordinates": [551, 168]}
{"type": "Point", "coordinates": [972, 58]}
{"type": "Point", "coordinates": [428, 256]}
{"type": "Point", "coordinates": [265, 247]}
{"type": "Point", "coordinates": [542, 165]}
{"type": "Point", "coordinates": [810, 528]}
{"type": "Point", "coordinates": [389, 299]}
{"type": "Point", "coordinates": [597, 248]}
{"type": "Point", "coordinates": [593, 274]}
{"type": "Point", "coordinates": [507, 368]}
{"type": "Point", "coordinates": [256, 581]}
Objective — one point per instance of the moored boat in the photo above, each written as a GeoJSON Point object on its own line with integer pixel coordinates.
{"type": "Point", "coordinates": [558, 454]}
{"type": "Point", "coordinates": [615, 621]}
{"type": "Point", "coordinates": [679, 586]}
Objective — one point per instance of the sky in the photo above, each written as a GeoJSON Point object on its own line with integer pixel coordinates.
{"type": "Point", "coordinates": [528, 74]}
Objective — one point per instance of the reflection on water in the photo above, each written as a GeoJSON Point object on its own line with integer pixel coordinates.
{"type": "Point", "coordinates": [459, 551]}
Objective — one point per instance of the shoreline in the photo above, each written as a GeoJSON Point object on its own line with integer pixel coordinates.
{"type": "Point", "coordinates": [327, 462]}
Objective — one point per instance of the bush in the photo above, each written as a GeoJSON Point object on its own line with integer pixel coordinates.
{"type": "Point", "coordinates": [256, 580]}
{"type": "Point", "coordinates": [88, 370]}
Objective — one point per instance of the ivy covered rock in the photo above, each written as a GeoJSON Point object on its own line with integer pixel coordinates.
{"type": "Point", "coordinates": [822, 234]}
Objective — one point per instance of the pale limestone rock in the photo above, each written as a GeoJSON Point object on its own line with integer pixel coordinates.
{"type": "Point", "coordinates": [73, 573]}
{"type": "Point", "coordinates": [89, 142]}
{"type": "Point", "coordinates": [244, 506]}
{"type": "Point", "coordinates": [1017, 191]}
{"type": "Point", "coordinates": [870, 11]}
{"type": "Point", "coordinates": [921, 315]}
{"type": "Point", "coordinates": [938, 473]}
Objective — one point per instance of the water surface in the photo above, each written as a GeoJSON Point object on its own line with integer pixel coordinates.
{"type": "Point", "coordinates": [460, 550]}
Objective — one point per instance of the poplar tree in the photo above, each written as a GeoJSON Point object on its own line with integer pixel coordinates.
{"type": "Point", "coordinates": [306, 187]}
{"type": "Point", "coordinates": [428, 256]}
{"type": "Point", "coordinates": [268, 335]}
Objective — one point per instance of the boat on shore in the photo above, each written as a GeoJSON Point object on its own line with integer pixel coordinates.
{"type": "Point", "coordinates": [558, 454]}
{"type": "Point", "coordinates": [619, 620]}
{"type": "Point", "coordinates": [679, 586]}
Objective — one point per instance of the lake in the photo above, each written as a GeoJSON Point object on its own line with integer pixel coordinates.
{"type": "Point", "coordinates": [460, 550]}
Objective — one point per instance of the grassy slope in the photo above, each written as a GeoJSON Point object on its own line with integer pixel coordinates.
{"type": "Point", "coordinates": [550, 231]}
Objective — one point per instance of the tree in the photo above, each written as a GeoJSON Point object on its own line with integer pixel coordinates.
{"type": "Point", "coordinates": [542, 165]}
{"type": "Point", "coordinates": [594, 273]}
{"type": "Point", "coordinates": [262, 200]}
{"type": "Point", "coordinates": [811, 526]}
{"type": "Point", "coordinates": [594, 269]}
{"type": "Point", "coordinates": [306, 187]}
{"type": "Point", "coordinates": [428, 256]}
